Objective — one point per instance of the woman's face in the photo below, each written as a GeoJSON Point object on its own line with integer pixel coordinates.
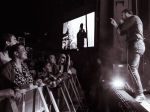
{"type": "Point", "coordinates": [62, 60]}
{"type": "Point", "coordinates": [21, 53]}
{"type": "Point", "coordinates": [48, 67]}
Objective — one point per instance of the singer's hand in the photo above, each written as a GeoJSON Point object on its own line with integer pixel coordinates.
{"type": "Point", "coordinates": [113, 22]}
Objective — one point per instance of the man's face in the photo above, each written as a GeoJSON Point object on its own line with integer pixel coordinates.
{"type": "Point", "coordinates": [13, 41]}
{"type": "Point", "coordinates": [48, 67]}
{"type": "Point", "coordinates": [22, 53]}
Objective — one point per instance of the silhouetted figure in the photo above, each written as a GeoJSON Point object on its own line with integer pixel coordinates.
{"type": "Point", "coordinates": [80, 37]}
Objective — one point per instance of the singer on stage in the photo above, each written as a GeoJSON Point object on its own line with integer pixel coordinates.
{"type": "Point", "coordinates": [132, 26]}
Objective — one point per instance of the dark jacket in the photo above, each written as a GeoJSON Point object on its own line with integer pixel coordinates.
{"type": "Point", "coordinates": [132, 28]}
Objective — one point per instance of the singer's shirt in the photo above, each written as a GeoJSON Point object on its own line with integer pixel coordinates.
{"type": "Point", "coordinates": [132, 28]}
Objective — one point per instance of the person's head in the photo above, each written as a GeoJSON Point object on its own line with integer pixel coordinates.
{"type": "Point", "coordinates": [46, 66]}
{"type": "Point", "coordinates": [63, 45]}
{"type": "Point", "coordinates": [126, 13]}
{"type": "Point", "coordinates": [62, 59]}
{"type": "Point", "coordinates": [17, 51]}
{"type": "Point", "coordinates": [51, 59]}
{"type": "Point", "coordinates": [81, 26]}
{"type": "Point", "coordinates": [8, 40]}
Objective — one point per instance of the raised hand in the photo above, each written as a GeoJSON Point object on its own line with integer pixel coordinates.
{"type": "Point", "coordinates": [113, 22]}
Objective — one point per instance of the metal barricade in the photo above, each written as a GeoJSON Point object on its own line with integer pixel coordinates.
{"type": "Point", "coordinates": [33, 99]}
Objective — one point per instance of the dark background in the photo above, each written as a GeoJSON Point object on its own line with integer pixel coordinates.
{"type": "Point", "coordinates": [42, 19]}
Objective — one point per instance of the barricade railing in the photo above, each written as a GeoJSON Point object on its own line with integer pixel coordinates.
{"type": "Point", "coordinates": [15, 105]}
{"type": "Point", "coordinates": [33, 99]}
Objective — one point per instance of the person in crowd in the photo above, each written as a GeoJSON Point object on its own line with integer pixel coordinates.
{"type": "Point", "coordinates": [7, 40]}
{"type": "Point", "coordinates": [47, 77]}
{"type": "Point", "coordinates": [52, 60]}
{"type": "Point", "coordinates": [32, 70]}
{"type": "Point", "coordinates": [62, 64]}
{"type": "Point", "coordinates": [98, 72]}
{"type": "Point", "coordinates": [98, 66]}
{"type": "Point", "coordinates": [132, 26]}
{"type": "Point", "coordinates": [61, 61]}
{"type": "Point", "coordinates": [52, 81]}
{"type": "Point", "coordinates": [15, 73]}
{"type": "Point", "coordinates": [57, 69]}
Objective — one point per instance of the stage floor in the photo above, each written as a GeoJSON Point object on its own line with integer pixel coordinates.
{"type": "Point", "coordinates": [146, 103]}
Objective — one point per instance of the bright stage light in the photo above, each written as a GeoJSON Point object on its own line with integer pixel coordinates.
{"type": "Point", "coordinates": [118, 84]}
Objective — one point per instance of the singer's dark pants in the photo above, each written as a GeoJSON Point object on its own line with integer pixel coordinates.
{"type": "Point", "coordinates": [135, 50]}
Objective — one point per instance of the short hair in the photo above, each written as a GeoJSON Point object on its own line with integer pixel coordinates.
{"type": "Point", "coordinates": [5, 37]}
{"type": "Point", "coordinates": [128, 11]}
{"type": "Point", "coordinates": [13, 49]}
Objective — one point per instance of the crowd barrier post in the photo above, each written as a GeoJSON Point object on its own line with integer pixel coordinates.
{"type": "Point", "coordinates": [52, 99]}
{"type": "Point", "coordinates": [42, 98]}
{"type": "Point", "coordinates": [77, 90]}
{"type": "Point", "coordinates": [23, 104]}
{"type": "Point", "coordinates": [13, 105]}
{"type": "Point", "coordinates": [76, 78]}
{"type": "Point", "coordinates": [75, 95]}
{"type": "Point", "coordinates": [75, 87]}
{"type": "Point", "coordinates": [69, 96]}
{"type": "Point", "coordinates": [62, 91]}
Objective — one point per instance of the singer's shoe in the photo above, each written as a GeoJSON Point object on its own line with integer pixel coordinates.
{"type": "Point", "coordinates": [140, 98]}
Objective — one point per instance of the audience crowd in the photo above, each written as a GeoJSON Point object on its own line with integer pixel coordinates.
{"type": "Point", "coordinates": [18, 72]}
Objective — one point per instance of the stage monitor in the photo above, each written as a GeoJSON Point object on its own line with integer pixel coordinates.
{"type": "Point", "coordinates": [79, 32]}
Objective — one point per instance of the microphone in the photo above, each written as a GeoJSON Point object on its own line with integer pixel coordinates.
{"type": "Point", "coordinates": [121, 22]}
